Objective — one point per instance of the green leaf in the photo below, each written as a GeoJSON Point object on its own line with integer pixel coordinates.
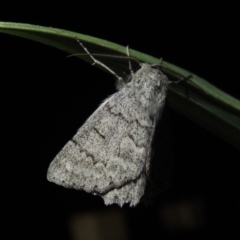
{"type": "Point", "coordinates": [196, 99]}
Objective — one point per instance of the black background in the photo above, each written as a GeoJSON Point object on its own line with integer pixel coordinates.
{"type": "Point", "coordinates": [46, 97]}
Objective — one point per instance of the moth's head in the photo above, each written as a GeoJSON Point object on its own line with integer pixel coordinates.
{"type": "Point", "coordinates": [151, 76]}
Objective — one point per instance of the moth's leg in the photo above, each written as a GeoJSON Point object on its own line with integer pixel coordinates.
{"type": "Point", "coordinates": [95, 61]}
{"type": "Point", "coordinates": [184, 78]}
{"type": "Point", "coordinates": [157, 64]}
{"type": "Point", "coordinates": [129, 62]}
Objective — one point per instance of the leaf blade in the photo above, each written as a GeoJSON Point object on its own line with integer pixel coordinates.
{"type": "Point", "coordinates": [197, 99]}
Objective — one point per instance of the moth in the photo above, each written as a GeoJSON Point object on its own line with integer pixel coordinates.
{"type": "Point", "coordinates": [110, 154]}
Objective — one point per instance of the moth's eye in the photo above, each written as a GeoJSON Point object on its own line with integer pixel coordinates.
{"type": "Point", "coordinates": [127, 79]}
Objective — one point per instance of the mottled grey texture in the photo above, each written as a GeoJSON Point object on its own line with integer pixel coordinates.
{"type": "Point", "coordinates": [110, 154]}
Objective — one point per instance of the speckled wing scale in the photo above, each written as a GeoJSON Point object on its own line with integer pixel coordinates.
{"type": "Point", "coordinates": [110, 154]}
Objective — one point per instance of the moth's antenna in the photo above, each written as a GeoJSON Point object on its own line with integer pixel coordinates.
{"type": "Point", "coordinates": [95, 61]}
{"type": "Point", "coordinates": [114, 56]}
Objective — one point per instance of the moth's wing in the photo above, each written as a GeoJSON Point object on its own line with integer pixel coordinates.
{"type": "Point", "coordinates": [128, 193]}
{"type": "Point", "coordinates": [109, 150]}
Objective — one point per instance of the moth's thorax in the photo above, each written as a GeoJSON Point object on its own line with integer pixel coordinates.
{"type": "Point", "coordinates": [150, 86]}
